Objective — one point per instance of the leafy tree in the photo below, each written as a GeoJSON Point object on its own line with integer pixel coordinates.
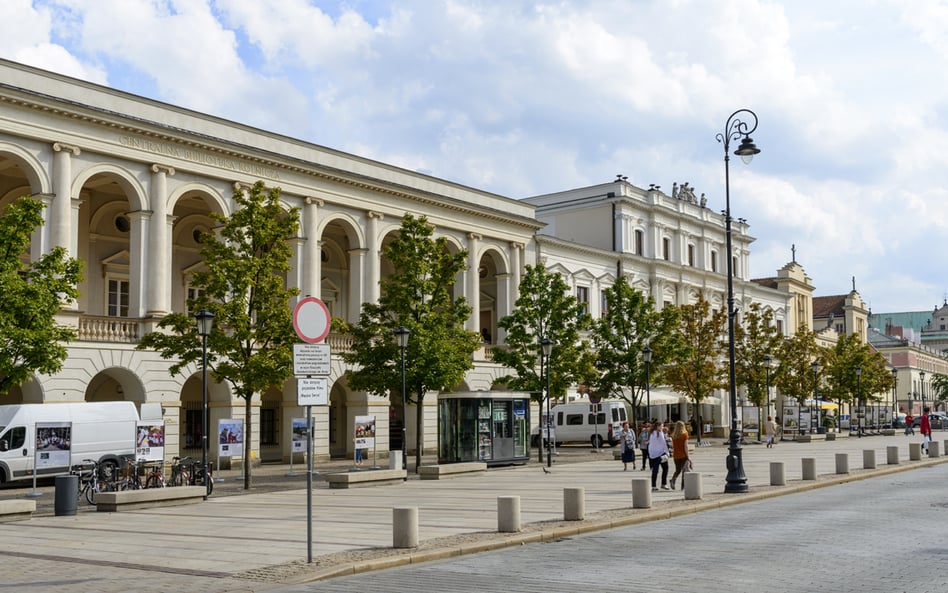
{"type": "Point", "coordinates": [545, 309]}
{"type": "Point", "coordinates": [756, 337]}
{"type": "Point", "coordinates": [622, 333]}
{"type": "Point", "coordinates": [417, 295]}
{"type": "Point", "coordinates": [697, 369]}
{"type": "Point", "coordinates": [794, 374]}
{"type": "Point", "coordinates": [30, 339]}
{"type": "Point", "coordinates": [243, 285]}
{"type": "Point", "coordinates": [842, 360]}
{"type": "Point", "coordinates": [939, 387]}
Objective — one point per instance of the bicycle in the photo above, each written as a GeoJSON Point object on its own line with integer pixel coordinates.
{"type": "Point", "coordinates": [89, 482]}
{"type": "Point", "coordinates": [154, 477]}
{"type": "Point", "coordinates": [132, 480]}
{"type": "Point", "coordinates": [182, 469]}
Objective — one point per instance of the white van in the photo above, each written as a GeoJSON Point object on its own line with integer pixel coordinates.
{"type": "Point", "coordinates": [101, 431]}
{"type": "Point", "coordinates": [585, 422]}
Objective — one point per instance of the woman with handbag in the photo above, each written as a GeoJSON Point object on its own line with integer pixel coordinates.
{"type": "Point", "coordinates": [627, 438]}
{"type": "Point", "coordinates": [658, 455]}
{"type": "Point", "coordinates": [680, 452]}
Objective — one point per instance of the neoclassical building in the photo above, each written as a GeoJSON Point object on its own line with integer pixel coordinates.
{"type": "Point", "coordinates": [129, 185]}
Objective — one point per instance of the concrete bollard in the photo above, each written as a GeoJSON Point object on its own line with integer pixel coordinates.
{"type": "Point", "coordinates": [933, 450]}
{"type": "Point", "coordinates": [574, 504]}
{"type": "Point", "coordinates": [842, 463]}
{"type": "Point", "coordinates": [809, 468]}
{"type": "Point", "coordinates": [405, 527]}
{"type": "Point", "coordinates": [641, 493]}
{"type": "Point", "coordinates": [868, 459]}
{"type": "Point", "coordinates": [892, 454]}
{"type": "Point", "coordinates": [778, 474]}
{"type": "Point", "coordinates": [395, 460]}
{"type": "Point", "coordinates": [915, 451]}
{"type": "Point", "coordinates": [508, 514]}
{"type": "Point", "coordinates": [694, 488]}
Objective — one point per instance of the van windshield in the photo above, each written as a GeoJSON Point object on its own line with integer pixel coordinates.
{"type": "Point", "coordinates": [2, 428]}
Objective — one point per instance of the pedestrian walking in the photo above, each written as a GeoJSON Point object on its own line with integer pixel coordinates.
{"type": "Point", "coordinates": [629, 442]}
{"type": "Point", "coordinates": [680, 454]}
{"type": "Point", "coordinates": [909, 424]}
{"type": "Point", "coordinates": [658, 455]}
{"type": "Point", "coordinates": [770, 431]}
{"type": "Point", "coordinates": [643, 442]}
{"type": "Point", "coordinates": [925, 427]}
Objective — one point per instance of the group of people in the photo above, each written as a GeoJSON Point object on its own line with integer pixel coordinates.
{"type": "Point", "coordinates": [657, 446]}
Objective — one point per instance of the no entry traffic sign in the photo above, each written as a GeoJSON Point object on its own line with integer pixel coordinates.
{"type": "Point", "coordinates": [311, 320]}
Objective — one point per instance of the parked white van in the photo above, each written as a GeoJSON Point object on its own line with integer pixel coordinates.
{"type": "Point", "coordinates": [582, 421]}
{"type": "Point", "coordinates": [71, 432]}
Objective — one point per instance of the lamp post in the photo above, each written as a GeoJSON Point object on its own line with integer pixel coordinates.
{"type": "Point", "coordinates": [647, 357]}
{"type": "Point", "coordinates": [735, 128]}
{"type": "Point", "coordinates": [205, 323]}
{"type": "Point", "coordinates": [895, 394]}
{"type": "Point", "coordinates": [401, 334]}
{"type": "Point", "coordinates": [921, 385]}
{"type": "Point", "coordinates": [859, 408]}
{"type": "Point", "coordinates": [816, 367]}
{"type": "Point", "coordinates": [547, 345]}
{"type": "Point", "coordinates": [767, 362]}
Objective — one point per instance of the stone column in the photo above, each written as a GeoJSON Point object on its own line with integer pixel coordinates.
{"type": "Point", "coordinates": [311, 277]}
{"type": "Point", "coordinates": [473, 288]}
{"type": "Point", "coordinates": [357, 281]}
{"type": "Point", "coordinates": [373, 264]}
{"type": "Point", "coordinates": [139, 275]}
{"type": "Point", "coordinates": [60, 213]}
{"type": "Point", "coordinates": [157, 264]}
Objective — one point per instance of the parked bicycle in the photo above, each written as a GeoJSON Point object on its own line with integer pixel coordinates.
{"type": "Point", "coordinates": [89, 481]}
{"type": "Point", "coordinates": [153, 475]}
{"type": "Point", "coordinates": [188, 471]}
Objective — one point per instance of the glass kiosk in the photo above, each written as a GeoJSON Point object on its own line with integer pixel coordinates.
{"type": "Point", "coordinates": [489, 426]}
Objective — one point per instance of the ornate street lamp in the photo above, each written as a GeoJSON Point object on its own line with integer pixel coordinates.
{"type": "Point", "coordinates": [921, 385]}
{"type": "Point", "coordinates": [860, 412]}
{"type": "Point", "coordinates": [736, 127]}
{"type": "Point", "coordinates": [647, 357]}
{"type": "Point", "coordinates": [205, 323]}
{"type": "Point", "coordinates": [401, 335]}
{"type": "Point", "coordinates": [895, 394]}
{"type": "Point", "coordinates": [767, 362]}
{"type": "Point", "coordinates": [547, 346]}
{"type": "Point", "coordinates": [816, 367]}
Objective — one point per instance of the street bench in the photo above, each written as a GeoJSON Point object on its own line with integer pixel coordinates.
{"type": "Point", "coordinates": [147, 498]}
{"type": "Point", "coordinates": [372, 477]}
{"type": "Point", "coordinates": [450, 470]}
{"type": "Point", "coordinates": [16, 510]}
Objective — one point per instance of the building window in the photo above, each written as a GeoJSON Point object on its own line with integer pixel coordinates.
{"type": "Point", "coordinates": [639, 242]}
{"type": "Point", "coordinates": [582, 297]}
{"type": "Point", "coordinates": [691, 255]}
{"type": "Point", "coordinates": [603, 304]}
{"type": "Point", "coordinates": [268, 426]}
{"type": "Point", "coordinates": [734, 266]}
{"type": "Point", "coordinates": [839, 328]}
{"type": "Point", "coordinates": [666, 248]}
{"type": "Point", "coordinates": [193, 416]}
{"type": "Point", "coordinates": [714, 260]}
{"type": "Point", "coordinates": [780, 326]}
{"type": "Point", "coordinates": [194, 294]}
{"type": "Point", "coordinates": [118, 298]}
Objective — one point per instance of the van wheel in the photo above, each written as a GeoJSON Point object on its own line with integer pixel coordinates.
{"type": "Point", "coordinates": [596, 441]}
{"type": "Point", "coordinates": [108, 470]}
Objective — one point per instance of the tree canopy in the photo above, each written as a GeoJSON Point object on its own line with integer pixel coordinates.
{"type": "Point", "coordinates": [243, 283]}
{"type": "Point", "coordinates": [31, 341]}
{"type": "Point", "coordinates": [419, 296]}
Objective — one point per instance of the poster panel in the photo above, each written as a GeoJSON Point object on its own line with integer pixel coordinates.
{"type": "Point", "coordinates": [53, 444]}
{"type": "Point", "coordinates": [751, 419]}
{"type": "Point", "coordinates": [298, 440]}
{"type": "Point", "coordinates": [230, 437]}
{"type": "Point", "coordinates": [791, 419]}
{"type": "Point", "coordinates": [150, 441]}
{"type": "Point", "coordinates": [364, 432]}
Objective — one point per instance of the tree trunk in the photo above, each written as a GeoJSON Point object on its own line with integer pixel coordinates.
{"type": "Point", "coordinates": [247, 434]}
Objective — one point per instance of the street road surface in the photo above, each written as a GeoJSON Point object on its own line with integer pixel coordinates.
{"type": "Point", "coordinates": [881, 535]}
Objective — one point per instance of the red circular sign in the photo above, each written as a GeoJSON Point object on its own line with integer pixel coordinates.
{"type": "Point", "coordinates": [311, 320]}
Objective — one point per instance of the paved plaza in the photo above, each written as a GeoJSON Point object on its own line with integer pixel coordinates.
{"type": "Point", "coordinates": [258, 541]}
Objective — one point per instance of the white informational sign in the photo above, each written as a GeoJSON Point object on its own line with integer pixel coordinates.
{"type": "Point", "coordinates": [311, 359]}
{"type": "Point", "coordinates": [751, 421]}
{"type": "Point", "coordinates": [364, 432]}
{"type": "Point", "coordinates": [791, 419]}
{"type": "Point", "coordinates": [312, 391]}
{"type": "Point", "coordinates": [230, 437]}
{"type": "Point", "coordinates": [53, 444]}
{"type": "Point", "coordinates": [150, 441]}
{"type": "Point", "coordinates": [299, 435]}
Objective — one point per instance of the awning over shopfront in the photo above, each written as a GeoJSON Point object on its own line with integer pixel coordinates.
{"type": "Point", "coordinates": [824, 405]}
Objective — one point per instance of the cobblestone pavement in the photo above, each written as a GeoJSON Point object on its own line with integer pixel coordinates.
{"type": "Point", "coordinates": [257, 541]}
{"type": "Point", "coordinates": [882, 535]}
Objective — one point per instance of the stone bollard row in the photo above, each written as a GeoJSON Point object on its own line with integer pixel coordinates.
{"type": "Point", "coordinates": [641, 493]}
{"type": "Point", "coordinates": [694, 488]}
{"type": "Point", "coordinates": [574, 504]}
{"type": "Point", "coordinates": [892, 454]}
{"type": "Point", "coordinates": [778, 474]}
{"type": "Point", "coordinates": [842, 463]}
{"type": "Point", "coordinates": [933, 450]}
{"type": "Point", "coordinates": [915, 451]}
{"type": "Point", "coordinates": [868, 459]}
{"type": "Point", "coordinates": [809, 468]}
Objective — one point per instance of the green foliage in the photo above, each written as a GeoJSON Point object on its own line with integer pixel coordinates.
{"type": "Point", "coordinates": [620, 336]}
{"type": "Point", "coordinates": [700, 365]}
{"type": "Point", "coordinates": [544, 309]}
{"type": "Point", "coordinates": [939, 387]}
{"type": "Point", "coordinates": [243, 285]}
{"type": "Point", "coordinates": [419, 296]}
{"type": "Point", "coordinates": [754, 338]}
{"type": "Point", "coordinates": [794, 375]}
{"type": "Point", "coordinates": [841, 361]}
{"type": "Point", "coordinates": [30, 339]}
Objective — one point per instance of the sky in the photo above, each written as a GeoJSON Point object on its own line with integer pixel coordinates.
{"type": "Point", "coordinates": [525, 98]}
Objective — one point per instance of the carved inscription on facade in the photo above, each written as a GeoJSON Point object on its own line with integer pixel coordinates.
{"type": "Point", "coordinates": [199, 156]}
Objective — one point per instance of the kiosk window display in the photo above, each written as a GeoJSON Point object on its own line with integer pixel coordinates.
{"type": "Point", "coordinates": [493, 427]}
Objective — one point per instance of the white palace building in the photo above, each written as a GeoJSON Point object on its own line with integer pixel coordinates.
{"type": "Point", "coordinates": [129, 183]}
